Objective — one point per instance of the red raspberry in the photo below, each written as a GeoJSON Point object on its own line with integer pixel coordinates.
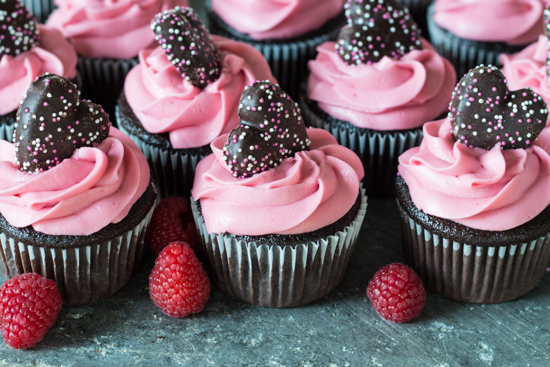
{"type": "Point", "coordinates": [178, 284]}
{"type": "Point", "coordinates": [172, 221]}
{"type": "Point", "coordinates": [29, 305]}
{"type": "Point", "coordinates": [396, 293]}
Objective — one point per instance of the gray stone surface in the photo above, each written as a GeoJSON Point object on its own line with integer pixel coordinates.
{"type": "Point", "coordinates": [340, 330]}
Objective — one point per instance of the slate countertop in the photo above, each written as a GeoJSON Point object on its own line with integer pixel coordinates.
{"type": "Point", "coordinates": [341, 329]}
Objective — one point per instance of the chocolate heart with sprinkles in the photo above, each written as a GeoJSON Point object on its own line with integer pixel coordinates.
{"type": "Point", "coordinates": [187, 45]}
{"type": "Point", "coordinates": [18, 28]}
{"type": "Point", "coordinates": [271, 129]}
{"type": "Point", "coordinates": [52, 123]}
{"type": "Point", "coordinates": [376, 29]}
{"type": "Point", "coordinates": [484, 112]}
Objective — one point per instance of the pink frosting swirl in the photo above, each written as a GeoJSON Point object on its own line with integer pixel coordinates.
{"type": "Point", "coordinates": [54, 54]}
{"type": "Point", "coordinates": [516, 22]}
{"type": "Point", "coordinates": [80, 196]}
{"type": "Point", "coordinates": [493, 190]}
{"type": "Point", "coordinates": [387, 95]}
{"type": "Point", "coordinates": [263, 19]}
{"type": "Point", "coordinates": [165, 102]}
{"type": "Point", "coordinates": [116, 29]}
{"type": "Point", "coordinates": [313, 189]}
{"type": "Point", "coordinates": [528, 68]}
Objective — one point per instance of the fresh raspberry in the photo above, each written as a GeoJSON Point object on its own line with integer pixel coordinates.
{"type": "Point", "coordinates": [172, 221]}
{"type": "Point", "coordinates": [396, 293]}
{"type": "Point", "coordinates": [29, 305]}
{"type": "Point", "coordinates": [178, 284]}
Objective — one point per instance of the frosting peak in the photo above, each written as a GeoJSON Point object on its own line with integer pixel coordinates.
{"type": "Point", "coordinates": [80, 196]}
{"type": "Point", "coordinates": [387, 95]}
{"type": "Point", "coordinates": [113, 28]}
{"type": "Point", "coordinates": [313, 189]}
{"type": "Point", "coordinates": [492, 190]}
{"type": "Point", "coordinates": [163, 101]}
{"type": "Point", "coordinates": [515, 22]}
{"type": "Point", "coordinates": [262, 19]}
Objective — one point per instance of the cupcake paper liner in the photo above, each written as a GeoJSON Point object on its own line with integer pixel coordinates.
{"type": "Point", "coordinates": [286, 58]}
{"type": "Point", "coordinates": [465, 54]}
{"type": "Point", "coordinates": [6, 132]}
{"type": "Point", "coordinates": [41, 9]}
{"type": "Point", "coordinates": [378, 150]}
{"type": "Point", "coordinates": [278, 276]}
{"type": "Point", "coordinates": [172, 169]}
{"type": "Point", "coordinates": [103, 80]}
{"type": "Point", "coordinates": [470, 273]}
{"type": "Point", "coordinates": [83, 274]}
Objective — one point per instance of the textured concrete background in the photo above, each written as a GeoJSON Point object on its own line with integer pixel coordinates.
{"type": "Point", "coordinates": [340, 330]}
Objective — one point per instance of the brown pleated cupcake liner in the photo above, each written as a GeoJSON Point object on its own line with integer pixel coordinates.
{"type": "Point", "coordinates": [173, 170]}
{"type": "Point", "coordinates": [83, 274]}
{"type": "Point", "coordinates": [286, 58]}
{"type": "Point", "coordinates": [470, 273]}
{"type": "Point", "coordinates": [41, 9]}
{"type": "Point", "coordinates": [378, 150]}
{"type": "Point", "coordinates": [103, 80]}
{"type": "Point", "coordinates": [465, 54]}
{"type": "Point", "coordinates": [279, 276]}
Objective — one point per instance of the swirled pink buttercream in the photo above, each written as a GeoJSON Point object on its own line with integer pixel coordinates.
{"type": "Point", "coordinates": [387, 95]}
{"type": "Point", "coordinates": [313, 189]}
{"type": "Point", "coordinates": [116, 29]}
{"type": "Point", "coordinates": [80, 196]}
{"type": "Point", "coordinates": [165, 102]}
{"type": "Point", "coordinates": [516, 22]}
{"type": "Point", "coordinates": [528, 68]}
{"type": "Point", "coordinates": [492, 190]}
{"type": "Point", "coordinates": [54, 54]}
{"type": "Point", "coordinates": [263, 19]}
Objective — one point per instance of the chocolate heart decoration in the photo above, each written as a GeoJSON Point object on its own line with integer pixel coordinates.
{"type": "Point", "coordinates": [187, 45]}
{"type": "Point", "coordinates": [271, 129]}
{"type": "Point", "coordinates": [376, 29]}
{"type": "Point", "coordinates": [52, 123]}
{"type": "Point", "coordinates": [18, 28]}
{"type": "Point", "coordinates": [484, 112]}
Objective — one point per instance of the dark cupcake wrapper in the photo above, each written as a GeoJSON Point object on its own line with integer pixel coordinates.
{"type": "Point", "coordinates": [82, 274]}
{"type": "Point", "coordinates": [173, 169]}
{"type": "Point", "coordinates": [103, 80]}
{"type": "Point", "coordinates": [279, 276]}
{"type": "Point", "coordinates": [6, 131]}
{"type": "Point", "coordinates": [287, 58]}
{"type": "Point", "coordinates": [466, 54]}
{"type": "Point", "coordinates": [378, 150]}
{"type": "Point", "coordinates": [41, 9]}
{"type": "Point", "coordinates": [472, 273]}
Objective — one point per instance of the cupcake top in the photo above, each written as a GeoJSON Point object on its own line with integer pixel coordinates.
{"type": "Point", "coordinates": [309, 180]}
{"type": "Point", "coordinates": [112, 29]}
{"type": "Point", "coordinates": [381, 76]}
{"type": "Point", "coordinates": [42, 49]}
{"type": "Point", "coordinates": [196, 100]}
{"type": "Point", "coordinates": [68, 172]}
{"type": "Point", "coordinates": [482, 166]}
{"type": "Point", "coordinates": [276, 19]}
{"type": "Point", "coordinates": [515, 22]}
{"type": "Point", "coordinates": [527, 68]}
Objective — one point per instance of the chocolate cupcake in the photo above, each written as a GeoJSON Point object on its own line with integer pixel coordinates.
{"type": "Point", "coordinates": [174, 109]}
{"type": "Point", "coordinates": [474, 197]}
{"type": "Point", "coordinates": [278, 222]}
{"type": "Point", "coordinates": [375, 87]}
{"type": "Point", "coordinates": [24, 56]}
{"type": "Point", "coordinates": [107, 36]}
{"type": "Point", "coordinates": [470, 33]}
{"type": "Point", "coordinates": [287, 34]}
{"type": "Point", "coordinates": [76, 195]}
